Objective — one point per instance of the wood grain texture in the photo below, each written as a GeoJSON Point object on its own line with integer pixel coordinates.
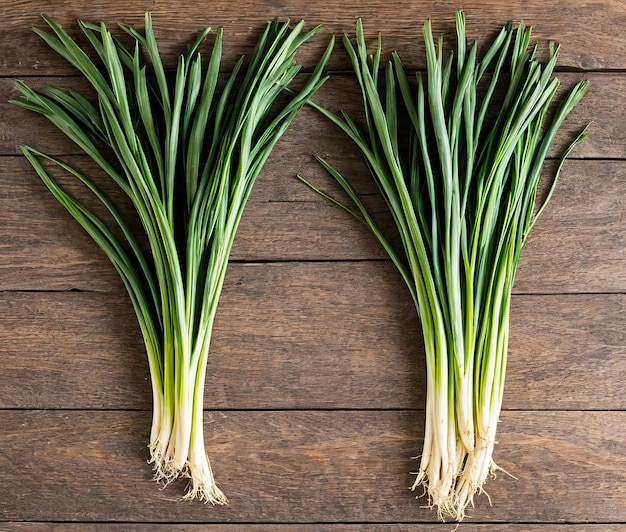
{"type": "Point", "coordinates": [315, 388]}
{"type": "Point", "coordinates": [388, 527]}
{"type": "Point", "coordinates": [291, 466]}
{"type": "Point", "coordinates": [282, 332]}
{"type": "Point", "coordinates": [577, 246]}
{"type": "Point", "coordinates": [590, 33]}
{"type": "Point", "coordinates": [312, 467]}
{"type": "Point", "coordinates": [310, 133]}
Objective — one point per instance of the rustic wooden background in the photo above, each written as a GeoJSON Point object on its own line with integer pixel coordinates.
{"type": "Point", "coordinates": [315, 393]}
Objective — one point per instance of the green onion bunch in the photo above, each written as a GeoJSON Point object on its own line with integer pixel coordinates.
{"type": "Point", "coordinates": [460, 182]}
{"type": "Point", "coordinates": [186, 151]}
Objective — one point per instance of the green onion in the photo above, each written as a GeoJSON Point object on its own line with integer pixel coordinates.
{"type": "Point", "coordinates": [187, 156]}
{"type": "Point", "coordinates": [461, 187]}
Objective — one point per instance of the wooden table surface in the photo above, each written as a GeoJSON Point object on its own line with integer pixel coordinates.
{"type": "Point", "coordinates": [315, 392]}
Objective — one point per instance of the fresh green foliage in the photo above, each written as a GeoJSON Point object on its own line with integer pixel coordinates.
{"type": "Point", "coordinates": [187, 156]}
{"type": "Point", "coordinates": [461, 188]}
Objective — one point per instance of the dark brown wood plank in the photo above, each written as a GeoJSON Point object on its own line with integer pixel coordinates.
{"type": "Point", "coordinates": [603, 106]}
{"type": "Point", "coordinates": [590, 34]}
{"type": "Point", "coordinates": [339, 527]}
{"type": "Point", "coordinates": [304, 336]}
{"type": "Point", "coordinates": [577, 246]}
{"type": "Point", "coordinates": [37, 230]}
{"type": "Point", "coordinates": [316, 383]}
{"type": "Point", "coordinates": [563, 251]}
{"type": "Point", "coordinates": [290, 467]}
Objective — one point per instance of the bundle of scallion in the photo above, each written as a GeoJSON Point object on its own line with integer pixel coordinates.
{"type": "Point", "coordinates": [462, 191]}
{"type": "Point", "coordinates": [187, 156]}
